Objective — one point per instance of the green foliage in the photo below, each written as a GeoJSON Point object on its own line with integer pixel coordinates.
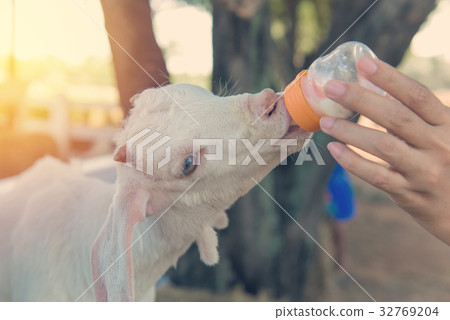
{"type": "Point", "coordinates": [314, 22]}
{"type": "Point", "coordinates": [311, 22]}
{"type": "Point", "coordinates": [92, 71]}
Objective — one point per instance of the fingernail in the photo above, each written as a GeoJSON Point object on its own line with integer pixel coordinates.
{"type": "Point", "coordinates": [335, 149]}
{"type": "Point", "coordinates": [335, 89]}
{"type": "Point", "coordinates": [326, 123]}
{"type": "Point", "coordinates": [367, 66]}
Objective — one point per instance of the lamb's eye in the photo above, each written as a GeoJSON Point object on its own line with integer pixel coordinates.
{"type": "Point", "coordinates": [189, 165]}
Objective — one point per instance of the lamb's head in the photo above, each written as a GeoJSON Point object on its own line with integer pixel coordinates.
{"type": "Point", "coordinates": [187, 149]}
{"type": "Point", "coordinates": [223, 142]}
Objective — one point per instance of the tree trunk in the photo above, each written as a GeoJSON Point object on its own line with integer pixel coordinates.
{"type": "Point", "coordinates": [387, 28]}
{"type": "Point", "coordinates": [263, 247]}
{"type": "Point", "coordinates": [241, 47]}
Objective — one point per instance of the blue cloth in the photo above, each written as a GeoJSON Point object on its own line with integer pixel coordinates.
{"type": "Point", "coordinates": [341, 204]}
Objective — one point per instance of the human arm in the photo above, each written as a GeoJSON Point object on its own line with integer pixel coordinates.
{"type": "Point", "coordinates": [133, 47]}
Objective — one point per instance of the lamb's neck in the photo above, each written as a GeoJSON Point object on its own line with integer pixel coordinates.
{"type": "Point", "coordinates": [158, 246]}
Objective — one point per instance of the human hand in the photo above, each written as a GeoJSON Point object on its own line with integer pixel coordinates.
{"type": "Point", "coordinates": [416, 145]}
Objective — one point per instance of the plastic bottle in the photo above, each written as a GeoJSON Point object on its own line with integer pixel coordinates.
{"type": "Point", "coordinates": [304, 96]}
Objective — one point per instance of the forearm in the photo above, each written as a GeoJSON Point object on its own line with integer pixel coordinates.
{"type": "Point", "coordinates": [138, 60]}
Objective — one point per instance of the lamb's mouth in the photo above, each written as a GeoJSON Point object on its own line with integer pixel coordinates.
{"type": "Point", "coordinates": [293, 130]}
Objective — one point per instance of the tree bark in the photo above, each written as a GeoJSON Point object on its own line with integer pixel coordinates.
{"type": "Point", "coordinates": [241, 47]}
{"type": "Point", "coordinates": [387, 28]}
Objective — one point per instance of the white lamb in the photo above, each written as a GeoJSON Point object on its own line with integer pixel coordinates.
{"type": "Point", "coordinates": [62, 234]}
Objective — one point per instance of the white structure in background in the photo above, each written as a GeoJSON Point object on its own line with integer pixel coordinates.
{"type": "Point", "coordinates": [43, 110]}
{"type": "Point", "coordinates": [47, 108]}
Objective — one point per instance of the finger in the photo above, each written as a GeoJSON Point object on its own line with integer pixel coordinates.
{"type": "Point", "coordinates": [411, 93]}
{"type": "Point", "coordinates": [373, 173]}
{"type": "Point", "coordinates": [380, 144]}
{"type": "Point", "coordinates": [385, 111]}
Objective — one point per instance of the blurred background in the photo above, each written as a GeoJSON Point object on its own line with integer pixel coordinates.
{"type": "Point", "coordinates": [58, 96]}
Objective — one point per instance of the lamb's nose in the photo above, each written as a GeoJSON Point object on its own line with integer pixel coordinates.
{"type": "Point", "coordinates": [263, 103]}
{"type": "Point", "coordinates": [269, 95]}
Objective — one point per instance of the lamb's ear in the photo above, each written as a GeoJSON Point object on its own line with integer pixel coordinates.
{"type": "Point", "coordinates": [121, 154]}
{"type": "Point", "coordinates": [133, 98]}
{"type": "Point", "coordinates": [207, 245]}
{"type": "Point", "coordinates": [111, 259]}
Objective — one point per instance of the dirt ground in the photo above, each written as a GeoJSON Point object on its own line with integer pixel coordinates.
{"type": "Point", "coordinates": [389, 255]}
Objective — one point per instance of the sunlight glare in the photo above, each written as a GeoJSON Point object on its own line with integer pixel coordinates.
{"type": "Point", "coordinates": [430, 40]}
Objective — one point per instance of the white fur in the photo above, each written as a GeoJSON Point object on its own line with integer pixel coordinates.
{"type": "Point", "coordinates": [49, 222]}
